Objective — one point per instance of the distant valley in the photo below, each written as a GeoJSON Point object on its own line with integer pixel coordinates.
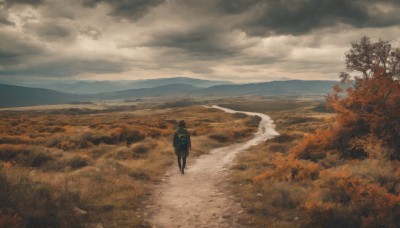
{"type": "Point", "coordinates": [16, 96]}
{"type": "Point", "coordinates": [94, 87]}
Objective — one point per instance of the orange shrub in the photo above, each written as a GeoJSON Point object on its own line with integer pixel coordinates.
{"type": "Point", "coordinates": [345, 200]}
{"type": "Point", "coordinates": [370, 106]}
{"type": "Point", "coordinates": [288, 168]}
{"type": "Point", "coordinates": [314, 146]}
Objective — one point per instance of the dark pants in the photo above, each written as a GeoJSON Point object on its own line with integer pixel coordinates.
{"type": "Point", "coordinates": [181, 167]}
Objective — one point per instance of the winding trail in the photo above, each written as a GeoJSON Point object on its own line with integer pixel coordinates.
{"type": "Point", "coordinates": [200, 197]}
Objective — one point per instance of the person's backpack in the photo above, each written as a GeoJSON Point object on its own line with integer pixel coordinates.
{"type": "Point", "coordinates": [182, 140]}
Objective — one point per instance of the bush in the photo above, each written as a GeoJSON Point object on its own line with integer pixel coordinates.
{"type": "Point", "coordinates": [54, 141]}
{"type": "Point", "coordinates": [117, 135]}
{"type": "Point", "coordinates": [77, 162]}
{"type": "Point", "coordinates": [254, 121]}
{"type": "Point", "coordinates": [88, 139]}
{"type": "Point", "coordinates": [24, 155]}
{"type": "Point", "coordinates": [133, 136]}
{"type": "Point", "coordinates": [139, 175]}
{"type": "Point", "coordinates": [369, 109]}
{"type": "Point", "coordinates": [281, 148]}
{"type": "Point", "coordinates": [314, 147]}
{"type": "Point", "coordinates": [33, 204]}
{"type": "Point", "coordinates": [222, 138]}
{"type": "Point", "coordinates": [36, 159]}
{"type": "Point", "coordinates": [284, 138]}
{"type": "Point", "coordinates": [155, 134]}
{"type": "Point", "coordinates": [9, 152]}
{"type": "Point", "coordinates": [141, 149]}
{"type": "Point", "coordinates": [288, 168]}
{"type": "Point", "coordinates": [123, 153]}
{"type": "Point", "coordinates": [300, 120]}
{"type": "Point", "coordinates": [240, 115]}
{"type": "Point", "coordinates": [350, 201]}
{"type": "Point", "coordinates": [100, 150]}
{"type": "Point", "coordinates": [15, 140]}
{"type": "Point", "coordinates": [283, 195]}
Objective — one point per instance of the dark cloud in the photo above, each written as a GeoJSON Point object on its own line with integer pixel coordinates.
{"type": "Point", "coordinates": [14, 50]}
{"type": "Point", "coordinates": [4, 16]}
{"type": "Point", "coordinates": [66, 67]}
{"type": "Point", "coordinates": [383, 13]}
{"type": "Point", "coordinates": [202, 42]}
{"type": "Point", "coordinates": [236, 6]}
{"type": "Point", "coordinates": [90, 32]}
{"type": "Point", "coordinates": [26, 2]}
{"type": "Point", "coordinates": [57, 11]}
{"type": "Point", "coordinates": [4, 20]}
{"type": "Point", "coordinates": [127, 9]}
{"type": "Point", "coordinates": [62, 38]}
{"type": "Point", "coordinates": [302, 16]}
{"type": "Point", "coordinates": [51, 31]}
{"type": "Point", "coordinates": [22, 56]}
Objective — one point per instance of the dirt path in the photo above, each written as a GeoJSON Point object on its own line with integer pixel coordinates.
{"type": "Point", "coordinates": [200, 197]}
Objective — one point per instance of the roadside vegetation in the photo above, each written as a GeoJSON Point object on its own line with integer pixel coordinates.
{"type": "Point", "coordinates": [84, 168]}
{"type": "Point", "coordinates": [337, 169]}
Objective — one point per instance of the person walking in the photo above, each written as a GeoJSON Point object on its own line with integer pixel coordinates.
{"type": "Point", "coordinates": [182, 145]}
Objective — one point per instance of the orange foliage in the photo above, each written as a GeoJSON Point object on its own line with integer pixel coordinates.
{"type": "Point", "coordinates": [370, 108]}
{"type": "Point", "coordinates": [288, 168]}
{"type": "Point", "coordinates": [344, 187]}
{"type": "Point", "coordinates": [6, 165]}
{"type": "Point", "coordinates": [313, 146]}
{"type": "Point", "coordinates": [343, 198]}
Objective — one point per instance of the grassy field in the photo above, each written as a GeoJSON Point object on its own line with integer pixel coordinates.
{"type": "Point", "coordinates": [274, 204]}
{"type": "Point", "coordinates": [79, 167]}
{"type": "Point", "coordinates": [279, 189]}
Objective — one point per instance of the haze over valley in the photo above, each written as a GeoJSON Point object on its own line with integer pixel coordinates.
{"type": "Point", "coordinates": [14, 96]}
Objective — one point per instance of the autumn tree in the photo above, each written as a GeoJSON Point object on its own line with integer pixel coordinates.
{"type": "Point", "coordinates": [371, 107]}
{"type": "Point", "coordinates": [367, 57]}
{"type": "Point", "coordinates": [368, 111]}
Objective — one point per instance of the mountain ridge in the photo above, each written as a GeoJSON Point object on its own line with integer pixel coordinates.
{"type": "Point", "coordinates": [14, 96]}
{"type": "Point", "coordinates": [95, 87]}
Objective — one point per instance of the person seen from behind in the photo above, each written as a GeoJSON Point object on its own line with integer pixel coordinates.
{"type": "Point", "coordinates": [182, 145]}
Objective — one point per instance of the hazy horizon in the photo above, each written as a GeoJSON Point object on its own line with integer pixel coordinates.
{"type": "Point", "coordinates": [238, 41]}
{"type": "Point", "coordinates": [76, 80]}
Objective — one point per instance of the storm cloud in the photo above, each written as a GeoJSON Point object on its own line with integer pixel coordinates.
{"type": "Point", "coordinates": [27, 2]}
{"type": "Point", "coordinates": [303, 16]}
{"type": "Point", "coordinates": [128, 9]}
{"type": "Point", "coordinates": [238, 40]}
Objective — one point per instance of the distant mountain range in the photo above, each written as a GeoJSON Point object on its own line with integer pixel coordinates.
{"type": "Point", "coordinates": [290, 87]}
{"type": "Point", "coordinates": [165, 90]}
{"type": "Point", "coordinates": [14, 96]}
{"type": "Point", "coordinates": [93, 87]}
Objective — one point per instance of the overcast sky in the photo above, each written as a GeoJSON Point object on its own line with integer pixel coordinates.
{"type": "Point", "coordinates": [236, 40]}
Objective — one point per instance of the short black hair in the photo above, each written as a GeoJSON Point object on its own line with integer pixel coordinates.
{"type": "Point", "coordinates": [182, 123]}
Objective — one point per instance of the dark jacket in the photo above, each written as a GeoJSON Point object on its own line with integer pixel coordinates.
{"type": "Point", "coordinates": [184, 152]}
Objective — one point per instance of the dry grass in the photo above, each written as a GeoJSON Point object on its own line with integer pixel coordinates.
{"type": "Point", "coordinates": [104, 163]}
{"type": "Point", "coordinates": [274, 198]}
{"type": "Point", "coordinates": [279, 188]}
